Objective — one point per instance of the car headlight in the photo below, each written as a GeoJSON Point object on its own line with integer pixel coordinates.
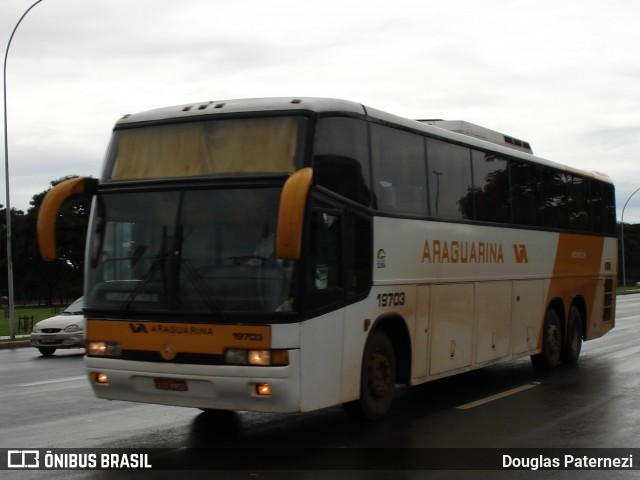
{"type": "Point", "coordinates": [73, 328]}
{"type": "Point", "coordinates": [35, 329]}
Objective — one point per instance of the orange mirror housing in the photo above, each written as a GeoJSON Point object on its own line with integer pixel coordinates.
{"type": "Point", "coordinates": [293, 200]}
{"type": "Point", "coordinates": [48, 214]}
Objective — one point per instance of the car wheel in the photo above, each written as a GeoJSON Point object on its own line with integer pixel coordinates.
{"type": "Point", "coordinates": [47, 351]}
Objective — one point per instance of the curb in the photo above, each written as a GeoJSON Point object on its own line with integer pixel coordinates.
{"type": "Point", "coordinates": [15, 344]}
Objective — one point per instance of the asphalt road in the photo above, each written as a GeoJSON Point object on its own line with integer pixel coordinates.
{"type": "Point", "coordinates": [47, 403]}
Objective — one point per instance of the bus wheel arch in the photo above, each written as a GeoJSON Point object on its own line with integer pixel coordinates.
{"type": "Point", "coordinates": [552, 338]}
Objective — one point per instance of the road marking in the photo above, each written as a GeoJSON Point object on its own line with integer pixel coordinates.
{"type": "Point", "coordinates": [47, 382]}
{"type": "Point", "coordinates": [498, 396]}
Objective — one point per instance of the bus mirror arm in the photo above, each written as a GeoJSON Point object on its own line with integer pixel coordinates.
{"type": "Point", "coordinates": [293, 200]}
{"type": "Point", "coordinates": [49, 208]}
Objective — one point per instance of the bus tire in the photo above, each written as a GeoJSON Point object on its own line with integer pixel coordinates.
{"type": "Point", "coordinates": [549, 357]}
{"type": "Point", "coordinates": [573, 341]}
{"type": "Point", "coordinates": [47, 351]}
{"type": "Point", "coordinates": [377, 379]}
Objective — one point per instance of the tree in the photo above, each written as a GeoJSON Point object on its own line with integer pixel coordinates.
{"type": "Point", "coordinates": [631, 253]}
{"type": "Point", "coordinates": [35, 279]}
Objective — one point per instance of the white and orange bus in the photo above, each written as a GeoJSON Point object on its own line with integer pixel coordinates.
{"type": "Point", "coordinates": [286, 255]}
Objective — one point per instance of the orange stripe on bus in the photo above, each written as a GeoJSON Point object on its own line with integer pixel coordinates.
{"type": "Point", "coordinates": [183, 337]}
{"type": "Point", "coordinates": [576, 270]}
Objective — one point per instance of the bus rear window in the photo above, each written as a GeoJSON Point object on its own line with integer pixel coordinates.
{"type": "Point", "coordinates": [229, 146]}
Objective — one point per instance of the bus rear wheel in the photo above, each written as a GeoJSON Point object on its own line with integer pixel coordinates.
{"type": "Point", "coordinates": [573, 343]}
{"type": "Point", "coordinates": [549, 357]}
{"type": "Point", "coordinates": [377, 380]}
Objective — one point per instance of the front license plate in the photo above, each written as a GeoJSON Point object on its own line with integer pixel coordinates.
{"type": "Point", "coordinates": [171, 384]}
{"type": "Point", "coordinates": [48, 339]}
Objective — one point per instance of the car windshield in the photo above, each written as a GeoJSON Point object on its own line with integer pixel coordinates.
{"type": "Point", "coordinates": [190, 251]}
{"type": "Point", "coordinates": [75, 308]}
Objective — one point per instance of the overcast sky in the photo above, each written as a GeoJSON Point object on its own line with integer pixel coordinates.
{"type": "Point", "coordinates": [562, 74]}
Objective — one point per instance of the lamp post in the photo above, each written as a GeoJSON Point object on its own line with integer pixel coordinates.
{"type": "Point", "coordinates": [12, 316]}
{"type": "Point", "coordinates": [624, 273]}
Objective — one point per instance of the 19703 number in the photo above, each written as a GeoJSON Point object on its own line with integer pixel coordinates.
{"type": "Point", "coordinates": [391, 299]}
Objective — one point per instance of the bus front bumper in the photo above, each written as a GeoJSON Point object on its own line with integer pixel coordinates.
{"type": "Point", "coordinates": [225, 387]}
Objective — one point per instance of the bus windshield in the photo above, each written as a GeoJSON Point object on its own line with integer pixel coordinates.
{"type": "Point", "coordinates": [166, 251]}
{"type": "Point", "coordinates": [213, 147]}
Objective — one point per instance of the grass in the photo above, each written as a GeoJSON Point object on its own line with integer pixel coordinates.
{"type": "Point", "coordinates": [630, 289]}
{"type": "Point", "coordinates": [38, 313]}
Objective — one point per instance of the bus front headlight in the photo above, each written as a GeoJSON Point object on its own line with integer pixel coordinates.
{"type": "Point", "coordinates": [103, 349]}
{"type": "Point", "coordinates": [263, 358]}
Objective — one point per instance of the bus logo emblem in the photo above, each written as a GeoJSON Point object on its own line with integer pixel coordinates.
{"type": "Point", "coordinates": [168, 351]}
{"type": "Point", "coordinates": [520, 252]}
{"type": "Point", "coordinates": [138, 327]}
{"type": "Point", "coordinates": [381, 259]}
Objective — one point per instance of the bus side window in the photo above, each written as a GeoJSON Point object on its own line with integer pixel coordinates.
{"type": "Point", "coordinates": [554, 187]}
{"type": "Point", "coordinates": [324, 275]}
{"type": "Point", "coordinates": [400, 180]}
{"type": "Point", "coordinates": [341, 158]}
{"type": "Point", "coordinates": [526, 193]}
{"type": "Point", "coordinates": [491, 195]}
{"type": "Point", "coordinates": [449, 168]}
{"type": "Point", "coordinates": [325, 251]}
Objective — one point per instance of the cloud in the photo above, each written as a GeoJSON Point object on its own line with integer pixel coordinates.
{"type": "Point", "coordinates": [559, 74]}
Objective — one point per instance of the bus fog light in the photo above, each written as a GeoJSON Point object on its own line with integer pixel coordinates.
{"type": "Point", "coordinates": [263, 389]}
{"type": "Point", "coordinates": [100, 378]}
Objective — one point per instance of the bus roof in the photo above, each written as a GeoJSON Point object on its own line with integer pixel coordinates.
{"type": "Point", "coordinates": [457, 131]}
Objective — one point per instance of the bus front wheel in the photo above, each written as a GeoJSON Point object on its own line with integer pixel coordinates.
{"type": "Point", "coordinates": [549, 357]}
{"type": "Point", "coordinates": [377, 380]}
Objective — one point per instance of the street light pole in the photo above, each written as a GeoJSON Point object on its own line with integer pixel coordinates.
{"type": "Point", "coordinates": [12, 316]}
{"type": "Point", "coordinates": [624, 273]}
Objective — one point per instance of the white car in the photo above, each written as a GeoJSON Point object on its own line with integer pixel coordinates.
{"type": "Point", "coordinates": [62, 331]}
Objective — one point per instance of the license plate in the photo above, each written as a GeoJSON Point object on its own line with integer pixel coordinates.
{"type": "Point", "coordinates": [48, 339]}
{"type": "Point", "coordinates": [171, 384]}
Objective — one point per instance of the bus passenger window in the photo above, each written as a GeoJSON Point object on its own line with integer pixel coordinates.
{"type": "Point", "coordinates": [449, 180]}
{"type": "Point", "coordinates": [341, 158]}
{"type": "Point", "coordinates": [526, 193]}
{"type": "Point", "coordinates": [555, 199]}
{"type": "Point", "coordinates": [399, 178]}
{"type": "Point", "coordinates": [578, 203]}
{"type": "Point", "coordinates": [491, 188]}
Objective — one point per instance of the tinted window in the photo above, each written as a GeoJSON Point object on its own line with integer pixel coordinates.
{"type": "Point", "coordinates": [491, 188]}
{"type": "Point", "coordinates": [341, 158]}
{"type": "Point", "coordinates": [578, 203]}
{"type": "Point", "coordinates": [603, 207]}
{"type": "Point", "coordinates": [554, 199]}
{"type": "Point", "coordinates": [449, 180]}
{"type": "Point", "coordinates": [399, 178]}
{"type": "Point", "coordinates": [526, 196]}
